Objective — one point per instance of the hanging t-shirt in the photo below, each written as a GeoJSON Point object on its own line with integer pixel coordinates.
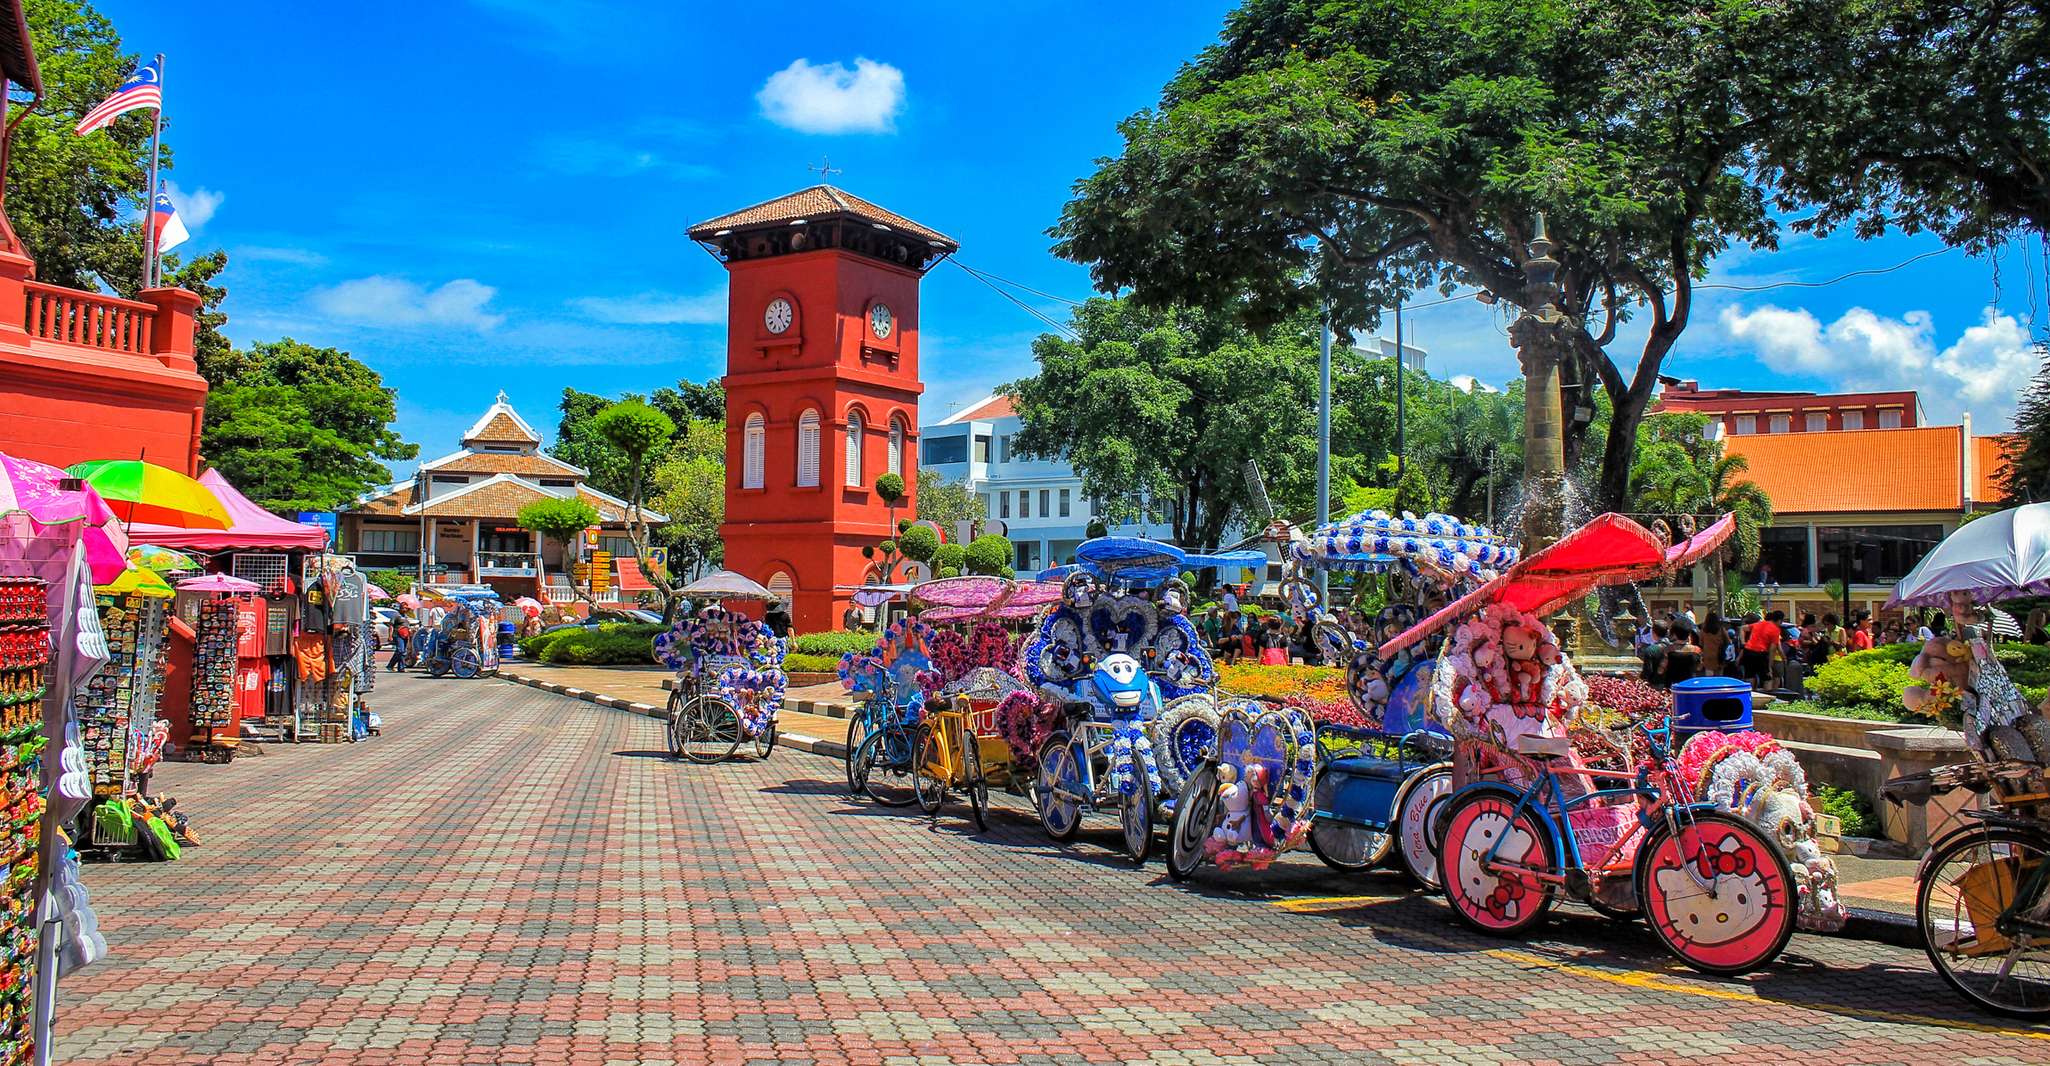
{"type": "Point", "coordinates": [310, 650]}
{"type": "Point", "coordinates": [352, 598]}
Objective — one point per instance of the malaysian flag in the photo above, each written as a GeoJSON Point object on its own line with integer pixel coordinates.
{"type": "Point", "coordinates": [169, 228]}
{"type": "Point", "coordinates": [145, 89]}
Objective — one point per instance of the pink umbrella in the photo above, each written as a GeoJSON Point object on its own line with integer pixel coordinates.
{"type": "Point", "coordinates": [35, 489]}
{"type": "Point", "coordinates": [378, 594]}
{"type": "Point", "coordinates": [408, 601]}
{"type": "Point", "coordinates": [219, 583]}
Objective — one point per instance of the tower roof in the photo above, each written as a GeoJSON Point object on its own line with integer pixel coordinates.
{"type": "Point", "coordinates": [817, 203]}
{"type": "Point", "coordinates": [500, 424]}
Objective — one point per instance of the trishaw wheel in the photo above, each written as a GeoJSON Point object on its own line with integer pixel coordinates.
{"type": "Point", "coordinates": [1135, 816]}
{"type": "Point", "coordinates": [711, 731]}
{"type": "Point", "coordinates": [882, 769]}
{"type": "Point", "coordinates": [1347, 848]}
{"type": "Point", "coordinates": [1059, 771]}
{"type": "Point", "coordinates": [1967, 882]}
{"type": "Point", "coordinates": [765, 741]}
{"type": "Point", "coordinates": [1195, 815]}
{"type": "Point", "coordinates": [467, 664]}
{"type": "Point", "coordinates": [1500, 903]}
{"type": "Point", "coordinates": [929, 771]}
{"type": "Point", "coordinates": [978, 785]}
{"type": "Point", "coordinates": [675, 729]}
{"type": "Point", "coordinates": [1416, 846]}
{"type": "Point", "coordinates": [1739, 921]}
{"type": "Point", "coordinates": [855, 734]}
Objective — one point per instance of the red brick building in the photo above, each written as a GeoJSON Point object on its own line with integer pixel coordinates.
{"type": "Point", "coordinates": [85, 375]}
{"type": "Point", "coordinates": [1744, 412]}
{"type": "Point", "coordinates": [821, 384]}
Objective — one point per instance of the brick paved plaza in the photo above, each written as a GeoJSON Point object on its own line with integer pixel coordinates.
{"type": "Point", "coordinates": [509, 876]}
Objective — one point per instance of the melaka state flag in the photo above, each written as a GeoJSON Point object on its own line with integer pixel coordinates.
{"type": "Point", "coordinates": [144, 89]}
{"type": "Point", "coordinates": [170, 231]}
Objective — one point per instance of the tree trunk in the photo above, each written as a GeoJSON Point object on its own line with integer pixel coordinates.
{"type": "Point", "coordinates": [1612, 491]}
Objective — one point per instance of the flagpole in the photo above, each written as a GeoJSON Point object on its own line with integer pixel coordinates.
{"type": "Point", "coordinates": [149, 207]}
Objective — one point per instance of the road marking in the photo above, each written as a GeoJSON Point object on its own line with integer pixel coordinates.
{"type": "Point", "coordinates": [1652, 982]}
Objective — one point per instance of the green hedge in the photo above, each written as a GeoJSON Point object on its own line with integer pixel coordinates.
{"type": "Point", "coordinates": [609, 645]}
{"type": "Point", "coordinates": [834, 644]}
{"type": "Point", "coordinates": [1856, 812]}
{"type": "Point", "coordinates": [1868, 684]}
{"type": "Point", "coordinates": [798, 662]}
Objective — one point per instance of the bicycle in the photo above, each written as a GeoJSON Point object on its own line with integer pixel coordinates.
{"type": "Point", "coordinates": [703, 727]}
{"type": "Point", "coordinates": [1071, 783]}
{"type": "Point", "coordinates": [950, 754]}
{"type": "Point", "coordinates": [1982, 893]}
{"type": "Point", "coordinates": [1719, 895]}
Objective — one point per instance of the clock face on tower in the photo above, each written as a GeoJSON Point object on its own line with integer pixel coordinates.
{"type": "Point", "coordinates": [778, 315]}
{"type": "Point", "coordinates": [879, 321]}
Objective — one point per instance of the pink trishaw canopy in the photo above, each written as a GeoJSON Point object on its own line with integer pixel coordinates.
{"type": "Point", "coordinates": [249, 526]}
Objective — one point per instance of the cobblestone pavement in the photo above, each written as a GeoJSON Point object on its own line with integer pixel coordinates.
{"type": "Point", "coordinates": [508, 876]}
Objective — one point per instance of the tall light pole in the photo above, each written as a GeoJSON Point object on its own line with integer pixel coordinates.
{"type": "Point", "coordinates": [1323, 443]}
{"type": "Point", "coordinates": [1401, 417]}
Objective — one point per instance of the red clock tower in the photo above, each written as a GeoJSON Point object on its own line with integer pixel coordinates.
{"type": "Point", "coordinates": [821, 387]}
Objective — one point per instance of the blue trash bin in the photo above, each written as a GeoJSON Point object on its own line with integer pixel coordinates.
{"type": "Point", "coordinates": [1701, 704]}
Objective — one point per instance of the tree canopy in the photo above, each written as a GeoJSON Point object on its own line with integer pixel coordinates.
{"type": "Point", "coordinates": [690, 487]}
{"type": "Point", "coordinates": [1354, 152]}
{"type": "Point", "coordinates": [302, 428]}
{"type": "Point", "coordinates": [578, 440]}
{"type": "Point", "coordinates": [1159, 410]}
{"type": "Point", "coordinates": [2026, 478]}
{"type": "Point", "coordinates": [947, 503]}
{"type": "Point", "coordinates": [1681, 470]}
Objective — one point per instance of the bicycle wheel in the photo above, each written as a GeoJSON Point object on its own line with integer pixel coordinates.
{"type": "Point", "coordinates": [929, 770]}
{"type": "Point", "coordinates": [857, 731]}
{"type": "Point", "coordinates": [675, 729]}
{"type": "Point", "coordinates": [1135, 816]}
{"type": "Point", "coordinates": [882, 768]}
{"type": "Point", "coordinates": [765, 741]}
{"type": "Point", "coordinates": [1195, 816]}
{"type": "Point", "coordinates": [1347, 848]}
{"type": "Point", "coordinates": [1499, 903]}
{"type": "Point", "coordinates": [1416, 848]}
{"type": "Point", "coordinates": [1059, 791]}
{"type": "Point", "coordinates": [1970, 882]}
{"type": "Point", "coordinates": [978, 785]}
{"type": "Point", "coordinates": [1741, 918]}
{"type": "Point", "coordinates": [711, 730]}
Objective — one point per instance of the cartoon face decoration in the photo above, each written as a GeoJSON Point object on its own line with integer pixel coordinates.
{"type": "Point", "coordinates": [1120, 681]}
{"type": "Point", "coordinates": [1739, 904]}
{"type": "Point", "coordinates": [1519, 643]}
{"type": "Point", "coordinates": [1504, 897]}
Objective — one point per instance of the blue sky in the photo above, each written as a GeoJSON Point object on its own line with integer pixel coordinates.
{"type": "Point", "coordinates": [481, 194]}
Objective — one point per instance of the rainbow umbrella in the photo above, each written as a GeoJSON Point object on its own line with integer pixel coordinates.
{"type": "Point", "coordinates": [161, 560]}
{"type": "Point", "coordinates": [145, 492]}
{"type": "Point", "coordinates": [36, 490]}
{"type": "Point", "coordinates": [140, 582]}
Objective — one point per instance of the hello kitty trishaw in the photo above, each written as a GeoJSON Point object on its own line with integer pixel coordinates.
{"type": "Point", "coordinates": [729, 684]}
{"type": "Point", "coordinates": [1111, 658]}
{"type": "Point", "coordinates": [1393, 770]}
{"type": "Point", "coordinates": [1530, 822]}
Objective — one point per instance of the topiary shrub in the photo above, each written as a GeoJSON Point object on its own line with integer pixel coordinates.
{"type": "Point", "coordinates": [918, 543]}
{"type": "Point", "coordinates": [950, 556]}
{"type": "Point", "coordinates": [989, 554]}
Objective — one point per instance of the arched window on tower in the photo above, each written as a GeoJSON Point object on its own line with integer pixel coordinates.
{"type": "Point", "coordinates": [897, 447]}
{"type": "Point", "coordinates": [808, 450]}
{"type": "Point", "coordinates": [752, 445]}
{"type": "Point", "coordinates": [854, 428]}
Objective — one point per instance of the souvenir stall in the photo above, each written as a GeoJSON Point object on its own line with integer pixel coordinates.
{"type": "Point", "coordinates": [117, 711]}
{"type": "Point", "coordinates": [56, 539]}
{"type": "Point", "coordinates": [211, 605]}
{"type": "Point", "coordinates": [334, 653]}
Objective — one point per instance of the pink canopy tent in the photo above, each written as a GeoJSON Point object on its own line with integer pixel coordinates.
{"type": "Point", "coordinates": [1611, 550]}
{"type": "Point", "coordinates": [249, 526]}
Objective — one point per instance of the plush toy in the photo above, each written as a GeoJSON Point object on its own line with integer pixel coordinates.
{"type": "Point", "coordinates": [1237, 803]}
{"type": "Point", "coordinates": [1943, 671]}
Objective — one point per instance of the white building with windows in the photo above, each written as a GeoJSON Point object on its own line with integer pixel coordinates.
{"type": "Point", "coordinates": [1038, 502]}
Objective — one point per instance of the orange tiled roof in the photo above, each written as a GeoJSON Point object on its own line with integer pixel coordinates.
{"type": "Point", "coordinates": [501, 499]}
{"type": "Point", "coordinates": [816, 202]}
{"type": "Point", "coordinates": [391, 504]}
{"type": "Point", "coordinates": [503, 428]}
{"type": "Point", "coordinates": [1989, 461]}
{"type": "Point", "coordinates": [607, 510]}
{"type": "Point", "coordinates": [504, 463]}
{"type": "Point", "coordinates": [997, 406]}
{"type": "Point", "coordinates": [1857, 470]}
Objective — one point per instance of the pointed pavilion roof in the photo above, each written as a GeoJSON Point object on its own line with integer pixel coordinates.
{"type": "Point", "coordinates": [500, 424]}
{"type": "Point", "coordinates": [813, 204]}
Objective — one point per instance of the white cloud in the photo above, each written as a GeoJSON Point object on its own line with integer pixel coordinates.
{"type": "Point", "coordinates": [657, 308]}
{"type": "Point", "coordinates": [380, 300]}
{"type": "Point", "coordinates": [1983, 372]}
{"type": "Point", "coordinates": [195, 206]}
{"type": "Point", "coordinates": [830, 98]}
{"type": "Point", "coordinates": [257, 253]}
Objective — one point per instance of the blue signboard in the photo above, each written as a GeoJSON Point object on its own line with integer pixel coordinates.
{"type": "Point", "coordinates": [325, 520]}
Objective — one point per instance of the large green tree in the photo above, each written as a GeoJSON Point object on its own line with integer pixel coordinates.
{"type": "Point", "coordinates": [1159, 410]}
{"type": "Point", "coordinates": [1681, 470]}
{"type": "Point", "coordinates": [2027, 476]}
{"type": "Point", "coordinates": [690, 487]}
{"type": "Point", "coordinates": [578, 441]}
{"type": "Point", "coordinates": [1463, 443]}
{"type": "Point", "coordinates": [302, 428]}
{"type": "Point", "coordinates": [947, 503]}
{"type": "Point", "coordinates": [1351, 152]}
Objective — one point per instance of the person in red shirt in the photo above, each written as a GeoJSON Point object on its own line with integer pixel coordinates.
{"type": "Point", "coordinates": [1861, 633]}
{"type": "Point", "coordinates": [1762, 637]}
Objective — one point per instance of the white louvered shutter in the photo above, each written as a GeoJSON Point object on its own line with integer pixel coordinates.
{"type": "Point", "coordinates": [752, 457]}
{"type": "Point", "coordinates": [808, 450]}
{"type": "Point", "coordinates": [854, 449]}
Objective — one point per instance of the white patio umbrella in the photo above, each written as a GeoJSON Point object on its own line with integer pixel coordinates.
{"type": "Point", "coordinates": [1998, 557]}
{"type": "Point", "coordinates": [725, 585]}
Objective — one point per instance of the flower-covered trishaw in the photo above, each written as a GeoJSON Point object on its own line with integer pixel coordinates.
{"type": "Point", "coordinates": [1530, 820]}
{"type": "Point", "coordinates": [882, 738]}
{"type": "Point", "coordinates": [1391, 770]}
{"type": "Point", "coordinates": [1982, 893]}
{"type": "Point", "coordinates": [466, 643]}
{"type": "Point", "coordinates": [729, 684]}
{"type": "Point", "coordinates": [1116, 659]}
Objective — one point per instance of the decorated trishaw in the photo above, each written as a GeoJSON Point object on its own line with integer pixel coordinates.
{"type": "Point", "coordinates": [1534, 817]}
{"type": "Point", "coordinates": [1115, 660]}
{"type": "Point", "coordinates": [729, 684]}
{"type": "Point", "coordinates": [1377, 780]}
{"type": "Point", "coordinates": [466, 642]}
{"type": "Point", "coordinates": [1982, 892]}
{"type": "Point", "coordinates": [890, 680]}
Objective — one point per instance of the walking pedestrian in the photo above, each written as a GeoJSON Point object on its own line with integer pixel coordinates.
{"type": "Point", "coordinates": [401, 643]}
{"type": "Point", "coordinates": [1761, 642]}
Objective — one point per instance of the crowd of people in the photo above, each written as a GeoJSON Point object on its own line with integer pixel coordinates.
{"type": "Point", "coordinates": [1769, 650]}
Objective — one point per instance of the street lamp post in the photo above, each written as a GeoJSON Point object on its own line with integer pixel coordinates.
{"type": "Point", "coordinates": [1323, 444]}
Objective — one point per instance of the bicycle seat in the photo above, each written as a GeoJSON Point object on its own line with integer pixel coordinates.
{"type": "Point", "coordinates": [1542, 748]}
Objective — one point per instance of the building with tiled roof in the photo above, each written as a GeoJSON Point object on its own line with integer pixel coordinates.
{"type": "Point", "coordinates": [823, 218]}
{"type": "Point", "coordinates": [1859, 504]}
{"type": "Point", "coordinates": [458, 516]}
